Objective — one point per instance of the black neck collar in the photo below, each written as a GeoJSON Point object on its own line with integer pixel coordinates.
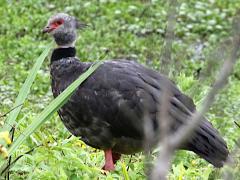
{"type": "Point", "coordinates": [61, 53]}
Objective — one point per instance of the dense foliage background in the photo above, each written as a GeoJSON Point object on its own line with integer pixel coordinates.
{"type": "Point", "coordinates": [126, 29]}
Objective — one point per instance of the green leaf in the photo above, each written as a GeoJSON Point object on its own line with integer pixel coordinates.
{"type": "Point", "coordinates": [55, 105]}
{"type": "Point", "coordinates": [125, 173]}
{"type": "Point", "coordinates": [25, 89]}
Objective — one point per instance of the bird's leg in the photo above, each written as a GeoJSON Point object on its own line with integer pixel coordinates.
{"type": "Point", "coordinates": [109, 165]}
{"type": "Point", "coordinates": [116, 157]}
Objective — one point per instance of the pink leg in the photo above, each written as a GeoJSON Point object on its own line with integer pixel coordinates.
{"type": "Point", "coordinates": [109, 165]}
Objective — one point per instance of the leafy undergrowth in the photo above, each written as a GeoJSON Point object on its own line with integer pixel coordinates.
{"type": "Point", "coordinates": [127, 29]}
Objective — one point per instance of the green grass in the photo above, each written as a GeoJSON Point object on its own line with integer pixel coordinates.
{"type": "Point", "coordinates": [128, 29]}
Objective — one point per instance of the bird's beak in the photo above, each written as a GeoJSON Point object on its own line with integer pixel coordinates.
{"type": "Point", "coordinates": [47, 29]}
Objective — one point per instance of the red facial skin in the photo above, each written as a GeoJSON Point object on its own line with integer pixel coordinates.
{"type": "Point", "coordinates": [56, 24]}
{"type": "Point", "coordinates": [53, 25]}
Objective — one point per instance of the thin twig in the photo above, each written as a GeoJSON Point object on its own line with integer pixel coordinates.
{"type": "Point", "coordinates": [10, 111]}
{"type": "Point", "coordinates": [236, 124]}
{"type": "Point", "coordinates": [166, 59]}
{"type": "Point", "coordinates": [15, 160]}
{"type": "Point", "coordinates": [10, 158]}
{"type": "Point", "coordinates": [163, 161]}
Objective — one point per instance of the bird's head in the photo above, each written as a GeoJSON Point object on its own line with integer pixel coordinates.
{"type": "Point", "coordinates": [63, 28]}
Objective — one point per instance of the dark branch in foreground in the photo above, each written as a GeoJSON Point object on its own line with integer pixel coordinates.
{"type": "Point", "coordinates": [237, 124]}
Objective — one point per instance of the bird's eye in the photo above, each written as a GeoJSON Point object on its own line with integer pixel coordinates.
{"type": "Point", "coordinates": [59, 22]}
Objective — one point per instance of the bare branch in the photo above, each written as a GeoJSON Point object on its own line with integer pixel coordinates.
{"type": "Point", "coordinates": [169, 37]}
{"type": "Point", "coordinates": [163, 161]}
{"type": "Point", "coordinates": [237, 124]}
{"type": "Point", "coordinates": [171, 142]}
{"type": "Point", "coordinates": [183, 132]}
{"type": "Point", "coordinates": [10, 111]}
{"type": "Point", "coordinates": [163, 164]}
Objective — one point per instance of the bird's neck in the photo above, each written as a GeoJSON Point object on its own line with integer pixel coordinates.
{"type": "Point", "coordinates": [63, 52]}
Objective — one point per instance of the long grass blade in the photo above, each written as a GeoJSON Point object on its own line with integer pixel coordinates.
{"type": "Point", "coordinates": [51, 108]}
{"type": "Point", "coordinates": [24, 91]}
{"type": "Point", "coordinates": [124, 170]}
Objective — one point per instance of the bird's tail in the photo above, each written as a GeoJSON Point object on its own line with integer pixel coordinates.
{"type": "Point", "coordinates": [208, 144]}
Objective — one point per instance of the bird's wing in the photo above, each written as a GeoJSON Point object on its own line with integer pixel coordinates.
{"type": "Point", "coordinates": [122, 92]}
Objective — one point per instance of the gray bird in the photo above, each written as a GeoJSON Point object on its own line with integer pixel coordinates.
{"type": "Point", "coordinates": [108, 111]}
